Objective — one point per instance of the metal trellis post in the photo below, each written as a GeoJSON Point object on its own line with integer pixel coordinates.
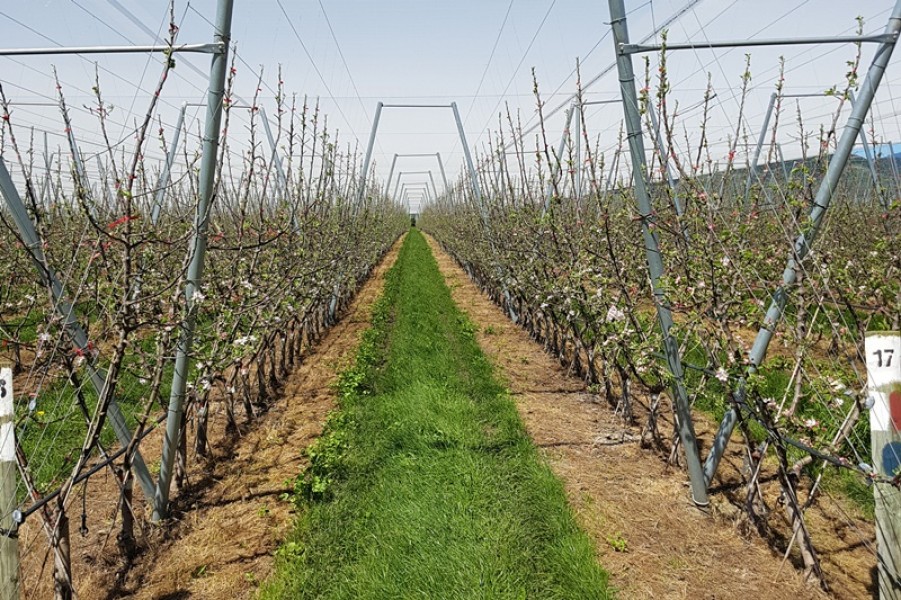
{"type": "Point", "coordinates": [206, 190]}
{"type": "Point", "coordinates": [390, 174]}
{"type": "Point", "coordinates": [752, 169]}
{"type": "Point", "coordinates": [276, 159]}
{"type": "Point", "coordinates": [366, 161]}
{"type": "Point", "coordinates": [163, 182]}
{"type": "Point", "coordinates": [556, 168]}
{"type": "Point", "coordinates": [655, 263]}
{"type": "Point", "coordinates": [577, 153]}
{"type": "Point", "coordinates": [477, 192]}
{"type": "Point", "coordinates": [443, 174]}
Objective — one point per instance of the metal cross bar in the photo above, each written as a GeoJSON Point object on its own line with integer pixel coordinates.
{"type": "Point", "coordinates": [418, 155]}
{"type": "Point", "coordinates": [596, 102]}
{"type": "Point", "coordinates": [881, 38]}
{"type": "Point", "coordinates": [417, 105]}
{"type": "Point", "coordinates": [202, 48]}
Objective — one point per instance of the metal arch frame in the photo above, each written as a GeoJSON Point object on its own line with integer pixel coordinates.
{"type": "Point", "coordinates": [415, 192]}
{"type": "Point", "coordinates": [467, 153]}
{"type": "Point", "coordinates": [429, 173]}
{"type": "Point", "coordinates": [470, 166]}
{"type": "Point", "coordinates": [417, 155]}
{"type": "Point", "coordinates": [421, 188]}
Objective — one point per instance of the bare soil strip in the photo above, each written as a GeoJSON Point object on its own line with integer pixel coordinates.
{"type": "Point", "coordinates": [649, 536]}
{"type": "Point", "coordinates": [223, 549]}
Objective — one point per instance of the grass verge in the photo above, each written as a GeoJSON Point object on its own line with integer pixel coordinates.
{"type": "Point", "coordinates": [425, 483]}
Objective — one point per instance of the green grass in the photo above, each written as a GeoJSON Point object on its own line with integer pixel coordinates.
{"type": "Point", "coordinates": [425, 483]}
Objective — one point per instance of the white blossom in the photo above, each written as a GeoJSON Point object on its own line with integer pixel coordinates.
{"type": "Point", "coordinates": [245, 340]}
{"type": "Point", "coordinates": [615, 314]}
{"type": "Point", "coordinates": [722, 375]}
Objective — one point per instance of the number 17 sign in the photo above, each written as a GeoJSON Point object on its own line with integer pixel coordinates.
{"type": "Point", "coordinates": [883, 350]}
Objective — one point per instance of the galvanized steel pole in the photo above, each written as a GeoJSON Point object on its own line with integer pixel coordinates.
{"type": "Point", "coordinates": [483, 213]}
{"type": "Point", "coordinates": [470, 166]}
{"type": "Point", "coordinates": [163, 182]}
{"type": "Point", "coordinates": [577, 153]}
{"type": "Point", "coordinates": [655, 263]}
{"type": "Point", "coordinates": [871, 162]}
{"type": "Point", "coordinates": [432, 179]}
{"type": "Point", "coordinates": [365, 175]}
{"type": "Point", "coordinates": [276, 159]}
{"type": "Point", "coordinates": [752, 169]}
{"type": "Point", "coordinates": [556, 168]}
{"type": "Point", "coordinates": [218, 68]}
{"type": "Point", "coordinates": [443, 174]}
{"type": "Point", "coordinates": [390, 174]}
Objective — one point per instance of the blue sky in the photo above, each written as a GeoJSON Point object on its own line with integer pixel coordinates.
{"type": "Point", "coordinates": [437, 52]}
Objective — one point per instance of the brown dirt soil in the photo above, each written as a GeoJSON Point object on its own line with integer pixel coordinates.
{"type": "Point", "coordinates": [227, 528]}
{"type": "Point", "coordinates": [626, 498]}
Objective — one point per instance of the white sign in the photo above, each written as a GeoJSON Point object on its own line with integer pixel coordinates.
{"type": "Point", "coordinates": [883, 350]}
{"type": "Point", "coordinates": [7, 416]}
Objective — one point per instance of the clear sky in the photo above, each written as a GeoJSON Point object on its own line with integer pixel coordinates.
{"type": "Point", "coordinates": [479, 53]}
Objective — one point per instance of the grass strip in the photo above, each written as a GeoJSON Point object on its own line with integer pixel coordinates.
{"type": "Point", "coordinates": [425, 483]}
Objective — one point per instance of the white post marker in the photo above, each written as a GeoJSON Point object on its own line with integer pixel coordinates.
{"type": "Point", "coordinates": [9, 543]}
{"type": "Point", "coordinates": [883, 350]}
